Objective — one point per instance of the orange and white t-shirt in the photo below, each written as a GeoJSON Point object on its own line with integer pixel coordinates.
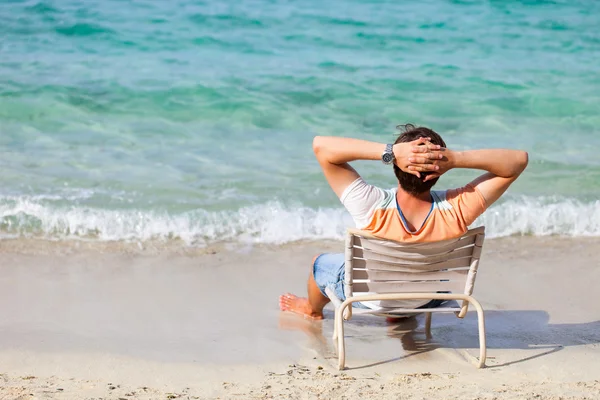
{"type": "Point", "coordinates": [376, 210]}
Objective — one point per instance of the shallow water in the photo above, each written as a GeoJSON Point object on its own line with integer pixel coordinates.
{"type": "Point", "coordinates": [194, 119]}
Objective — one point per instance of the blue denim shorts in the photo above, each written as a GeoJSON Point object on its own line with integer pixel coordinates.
{"type": "Point", "coordinates": [328, 271]}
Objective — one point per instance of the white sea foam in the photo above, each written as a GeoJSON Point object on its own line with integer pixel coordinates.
{"type": "Point", "coordinates": [542, 217]}
{"type": "Point", "coordinates": [272, 222]}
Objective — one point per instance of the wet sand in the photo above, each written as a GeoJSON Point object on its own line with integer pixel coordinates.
{"type": "Point", "coordinates": [205, 324]}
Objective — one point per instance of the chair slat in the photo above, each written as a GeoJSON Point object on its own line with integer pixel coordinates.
{"type": "Point", "coordinates": [371, 261]}
{"type": "Point", "coordinates": [416, 258]}
{"type": "Point", "coordinates": [387, 266]}
{"type": "Point", "coordinates": [376, 275]}
{"type": "Point", "coordinates": [471, 232]}
{"type": "Point", "coordinates": [388, 247]}
{"type": "Point", "coordinates": [415, 287]}
{"type": "Point", "coordinates": [393, 310]}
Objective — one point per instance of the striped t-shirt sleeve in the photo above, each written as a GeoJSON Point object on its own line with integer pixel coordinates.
{"type": "Point", "coordinates": [468, 202]}
{"type": "Point", "coordinates": [361, 200]}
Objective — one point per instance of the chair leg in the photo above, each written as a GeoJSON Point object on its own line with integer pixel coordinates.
{"type": "Point", "coordinates": [348, 313]}
{"type": "Point", "coordinates": [481, 325]}
{"type": "Point", "coordinates": [428, 325]}
{"type": "Point", "coordinates": [335, 326]}
{"type": "Point", "coordinates": [339, 322]}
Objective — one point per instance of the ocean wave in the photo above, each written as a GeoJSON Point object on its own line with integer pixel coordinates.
{"type": "Point", "coordinates": [542, 216]}
{"type": "Point", "coordinates": [272, 223]}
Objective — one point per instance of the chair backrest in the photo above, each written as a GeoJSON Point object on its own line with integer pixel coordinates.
{"type": "Point", "coordinates": [377, 265]}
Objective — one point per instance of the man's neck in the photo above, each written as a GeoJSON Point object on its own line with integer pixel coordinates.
{"type": "Point", "coordinates": [415, 207]}
{"type": "Point", "coordinates": [410, 198]}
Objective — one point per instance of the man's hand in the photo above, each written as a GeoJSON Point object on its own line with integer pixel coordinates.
{"type": "Point", "coordinates": [445, 163]}
{"type": "Point", "coordinates": [418, 156]}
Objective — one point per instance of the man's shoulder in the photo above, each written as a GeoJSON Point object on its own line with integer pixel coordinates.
{"type": "Point", "coordinates": [363, 201]}
{"type": "Point", "coordinates": [466, 202]}
{"type": "Point", "coordinates": [362, 192]}
{"type": "Point", "coordinates": [445, 199]}
{"type": "Point", "coordinates": [388, 198]}
{"type": "Point", "coordinates": [440, 199]}
{"type": "Point", "coordinates": [380, 198]}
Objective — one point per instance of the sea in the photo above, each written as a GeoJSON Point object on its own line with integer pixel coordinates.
{"type": "Point", "coordinates": [192, 121]}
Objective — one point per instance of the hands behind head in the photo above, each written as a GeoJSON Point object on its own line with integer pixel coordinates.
{"type": "Point", "coordinates": [422, 156]}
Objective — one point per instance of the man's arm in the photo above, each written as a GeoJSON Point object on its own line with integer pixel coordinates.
{"type": "Point", "coordinates": [334, 154]}
{"type": "Point", "coordinates": [503, 168]}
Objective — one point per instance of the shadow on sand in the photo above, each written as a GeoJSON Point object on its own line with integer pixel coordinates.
{"type": "Point", "coordinates": [507, 329]}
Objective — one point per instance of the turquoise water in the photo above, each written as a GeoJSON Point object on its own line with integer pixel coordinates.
{"type": "Point", "coordinates": [135, 120]}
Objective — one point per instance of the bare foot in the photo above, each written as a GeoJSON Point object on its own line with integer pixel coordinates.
{"type": "Point", "coordinates": [298, 305]}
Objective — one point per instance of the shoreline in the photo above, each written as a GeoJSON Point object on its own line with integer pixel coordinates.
{"type": "Point", "coordinates": [43, 246]}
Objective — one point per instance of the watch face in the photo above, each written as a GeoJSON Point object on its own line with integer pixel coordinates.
{"type": "Point", "coordinates": [387, 158]}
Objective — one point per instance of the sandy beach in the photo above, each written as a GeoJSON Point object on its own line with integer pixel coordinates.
{"type": "Point", "coordinates": [83, 321]}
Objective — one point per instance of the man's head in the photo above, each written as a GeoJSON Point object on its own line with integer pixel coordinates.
{"type": "Point", "coordinates": [408, 182]}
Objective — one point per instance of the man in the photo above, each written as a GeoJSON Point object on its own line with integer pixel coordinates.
{"type": "Point", "coordinates": [412, 212]}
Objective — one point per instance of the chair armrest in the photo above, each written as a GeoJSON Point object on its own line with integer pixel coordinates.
{"type": "Point", "coordinates": [334, 299]}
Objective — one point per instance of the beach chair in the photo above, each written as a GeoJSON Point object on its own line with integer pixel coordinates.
{"type": "Point", "coordinates": [385, 270]}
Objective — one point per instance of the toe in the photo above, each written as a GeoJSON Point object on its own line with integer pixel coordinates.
{"type": "Point", "coordinates": [284, 303]}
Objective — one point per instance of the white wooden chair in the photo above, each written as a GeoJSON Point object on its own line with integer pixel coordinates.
{"type": "Point", "coordinates": [378, 269]}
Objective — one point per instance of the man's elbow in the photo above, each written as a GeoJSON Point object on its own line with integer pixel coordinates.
{"type": "Point", "coordinates": [522, 161]}
{"type": "Point", "coordinates": [320, 147]}
{"type": "Point", "coordinates": [317, 144]}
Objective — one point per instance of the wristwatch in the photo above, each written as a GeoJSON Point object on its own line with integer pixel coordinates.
{"type": "Point", "coordinates": [388, 155]}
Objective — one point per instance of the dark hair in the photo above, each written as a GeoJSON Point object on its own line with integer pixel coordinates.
{"type": "Point", "coordinates": [410, 183]}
